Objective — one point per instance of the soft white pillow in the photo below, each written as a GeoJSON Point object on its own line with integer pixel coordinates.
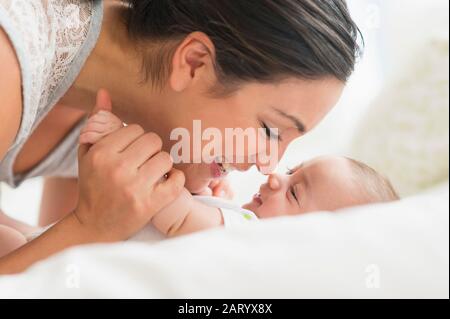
{"type": "Point", "coordinates": [405, 134]}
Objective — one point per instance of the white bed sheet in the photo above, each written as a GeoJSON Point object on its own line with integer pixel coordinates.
{"type": "Point", "coordinates": [399, 250]}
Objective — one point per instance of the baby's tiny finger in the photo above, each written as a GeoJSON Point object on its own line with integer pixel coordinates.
{"type": "Point", "coordinates": [101, 116]}
{"type": "Point", "coordinates": [90, 138]}
{"type": "Point", "coordinates": [96, 127]}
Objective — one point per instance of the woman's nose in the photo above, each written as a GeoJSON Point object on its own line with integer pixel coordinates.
{"type": "Point", "coordinates": [267, 168]}
{"type": "Point", "coordinates": [243, 167]}
{"type": "Point", "coordinates": [267, 163]}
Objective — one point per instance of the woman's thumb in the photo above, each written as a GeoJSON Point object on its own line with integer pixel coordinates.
{"type": "Point", "coordinates": [104, 102]}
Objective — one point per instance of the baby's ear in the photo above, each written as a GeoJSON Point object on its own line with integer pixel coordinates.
{"type": "Point", "coordinates": [104, 102]}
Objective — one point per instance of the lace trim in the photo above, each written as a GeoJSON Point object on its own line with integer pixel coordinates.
{"type": "Point", "coordinates": [51, 39]}
{"type": "Point", "coordinates": [52, 33]}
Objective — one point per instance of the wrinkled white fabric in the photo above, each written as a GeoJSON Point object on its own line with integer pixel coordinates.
{"type": "Point", "coordinates": [397, 250]}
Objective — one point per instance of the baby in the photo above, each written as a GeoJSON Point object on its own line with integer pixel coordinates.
{"type": "Point", "coordinates": [322, 184]}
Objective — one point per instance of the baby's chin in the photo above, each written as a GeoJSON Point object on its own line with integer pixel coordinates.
{"type": "Point", "coordinates": [253, 207]}
{"type": "Point", "coordinates": [250, 206]}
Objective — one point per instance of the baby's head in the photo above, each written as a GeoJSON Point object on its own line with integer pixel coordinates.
{"type": "Point", "coordinates": [322, 184]}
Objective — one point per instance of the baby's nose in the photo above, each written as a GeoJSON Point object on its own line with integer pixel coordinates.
{"type": "Point", "coordinates": [274, 182]}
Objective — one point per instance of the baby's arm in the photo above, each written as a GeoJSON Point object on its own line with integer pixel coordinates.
{"type": "Point", "coordinates": [185, 215]}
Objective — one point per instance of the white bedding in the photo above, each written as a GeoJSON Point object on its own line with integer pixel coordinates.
{"type": "Point", "coordinates": [388, 251]}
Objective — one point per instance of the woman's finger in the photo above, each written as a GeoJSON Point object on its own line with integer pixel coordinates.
{"type": "Point", "coordinates": [118, 141]}
{"type": "Point", "coordinates": [172, 186]}
{"type": "Point", "coordinates": [83, 149]}
{"type": "Point", "coordinates": [144, 148]}
{"type": "Point", "coordinates": [103, 103]}
{"type": "Point", "coordinates": [155, 170]}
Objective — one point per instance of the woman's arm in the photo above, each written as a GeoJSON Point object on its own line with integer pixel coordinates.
{"type": "Point", "coordinates": [184, 215]}
{"type": "Point", "coordinates": [59, 199]}
{"type": "Point", "coordinates": [121, 189]}
{"type": "Point", "coordinates": [67, 233]}
{"type": "Point", "coordinates": [10, 94]}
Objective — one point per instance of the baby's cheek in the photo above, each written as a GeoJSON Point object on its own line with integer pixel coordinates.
{"type": "Point", "coordinates": [268, 209]}
{"type": "Point", "coordinates": [273, 207]}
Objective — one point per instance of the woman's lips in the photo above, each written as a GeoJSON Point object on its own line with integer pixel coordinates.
{"type": "Point", "coordinates": [257, 199]}
{"type": "Point", "coordinates": [217, 171]}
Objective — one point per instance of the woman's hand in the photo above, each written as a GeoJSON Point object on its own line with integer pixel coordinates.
{"type": "Point", "coordinates": [125, 180]}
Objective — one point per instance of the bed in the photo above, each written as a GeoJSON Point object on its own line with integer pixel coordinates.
{"type": "Point", "coordinates": [398, 250]}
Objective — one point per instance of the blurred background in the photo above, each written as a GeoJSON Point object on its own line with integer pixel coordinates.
{"type": "Point", "coordinates": [394, 114]}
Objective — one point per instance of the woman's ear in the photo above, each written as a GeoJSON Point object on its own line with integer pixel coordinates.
{"type": "Point", "coordinates": [192, 61]}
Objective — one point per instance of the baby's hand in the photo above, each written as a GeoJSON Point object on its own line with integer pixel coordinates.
{"type": "Point", "coordinates": [100, 125]}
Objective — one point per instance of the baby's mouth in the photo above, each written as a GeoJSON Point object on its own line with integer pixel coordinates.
{"type": "Point", "coordinates": [257, 199]}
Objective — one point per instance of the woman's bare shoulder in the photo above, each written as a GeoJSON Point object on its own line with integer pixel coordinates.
{"type": "Point", "coordinates": [10, 94]}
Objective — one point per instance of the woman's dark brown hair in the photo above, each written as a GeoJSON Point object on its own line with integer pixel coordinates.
{"type": "Point", "coordinates": [255, 40]}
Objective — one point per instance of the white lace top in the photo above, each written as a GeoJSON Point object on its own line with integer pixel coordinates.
{"type": "Point", "coordinates": [52, 40]}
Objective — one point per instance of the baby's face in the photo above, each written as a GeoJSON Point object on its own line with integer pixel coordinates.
{"type": "Point", "coordinates": [323, 184]}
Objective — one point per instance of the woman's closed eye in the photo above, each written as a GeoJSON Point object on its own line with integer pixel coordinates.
{"type": "Point", "coordinates": [270, 133]}
{"type": "Point", "coordinates": [292, 171]}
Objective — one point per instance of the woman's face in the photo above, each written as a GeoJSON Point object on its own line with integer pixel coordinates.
{"type": "Point", "coordinates": [293, 108]}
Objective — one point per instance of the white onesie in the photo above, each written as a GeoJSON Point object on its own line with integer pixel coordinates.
{"type": "Point", "coordinates": [232, 214]}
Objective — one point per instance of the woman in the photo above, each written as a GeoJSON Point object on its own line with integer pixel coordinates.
{"type": "Point", "coordinates": [231, 64]}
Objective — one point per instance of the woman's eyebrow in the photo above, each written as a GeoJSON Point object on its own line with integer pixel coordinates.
{"type": "Point", "coordinates": [297, 122]}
